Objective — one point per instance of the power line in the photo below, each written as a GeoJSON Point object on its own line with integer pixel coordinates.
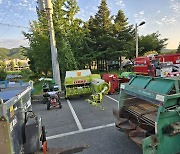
{"type": "Point", "coordinates": [11, 25]}
{"type": "Point", "coordinates": [4, 6]}
{"type": "Point", "coordinates": [8, 10]}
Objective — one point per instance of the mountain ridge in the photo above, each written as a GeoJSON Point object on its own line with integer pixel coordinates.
{"type": "Point", "coordinates": [14, 53]}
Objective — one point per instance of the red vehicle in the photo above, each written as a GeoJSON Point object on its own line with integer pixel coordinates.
{"type": "Point", "coordinates": [113, 80]}
{"type": "Point", "coordinates": [160, 65]}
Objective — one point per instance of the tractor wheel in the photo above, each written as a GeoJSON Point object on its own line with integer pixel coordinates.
{"type": "Point", "coordinates": [44, 101]}
{"type": "Point", "coordinates": [60, 105]}
{"type": "Point", "coordinates": [43, 139]}
{"type": "Point", "coordinates": [66, 98]}
{"type": "Point", "coordinates": [48, 105]}
{"type": "Point", "coordinates": [43, 135]}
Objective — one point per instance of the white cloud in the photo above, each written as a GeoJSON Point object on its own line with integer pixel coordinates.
{"type": "Point", "coordinates": [1, 1]}
{"type": "Point", "coordinates": [135, 15]}
{"type": "Point", "coordinates": [13, 43]}
{"type": "Point", "coordinates": [141, 13]}
{"type": "Point", "coordinates": [165, 21]}
{"type": "Point", "coordinates": [110, 6]}
{"type": "Point", "coordinates": [158, 11]}
{"type": "Point", "coordinates": [31, 8]}
{"type": "Point", "coordinates": [158, 22]}
{"type": "Point", "coordinates": [95, 8]}
{"type": "Point", "coordinates": [25, 1]}
{"type": "Point", "coordinates": [139, 17]}
{"type": "Point", "coordinates": [83, 14]}
{"type": "Point", "coordinates": [22, 4]}
{"type": "Point", "coordinates": [87, 7]}
{"type": "Point", "coordinates": [120, 3]}
{"type": "Point", "coordinates": [175, 5]}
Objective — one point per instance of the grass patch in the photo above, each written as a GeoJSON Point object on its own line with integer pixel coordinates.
{"type": "Point", "coordinates": [38, 88]}
{"type": "Point", "coordinates": [13, 72]}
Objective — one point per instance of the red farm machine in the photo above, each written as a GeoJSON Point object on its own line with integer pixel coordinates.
{"type": "Point", "coordinates": [113, 81]}
{"type": "Point", "coordinates": [158, 66]}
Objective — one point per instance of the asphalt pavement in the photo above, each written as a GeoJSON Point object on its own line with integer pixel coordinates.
{"type": "Point", "coordinates": [80, 124]}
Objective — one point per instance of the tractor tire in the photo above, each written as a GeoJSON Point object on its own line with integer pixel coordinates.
{"type": "Point", "coordinates": [45, 100]}
{"type": "Point", "coordinates": [60, 105]}
{"type": "Point", "coordinates": [48, 105]}
{"type": "Point", "coordinates": [43, 139]}
{"type": "Point", "coordinates": [66, 98]}
{"type": "Point", "coordinates": [43, 135]}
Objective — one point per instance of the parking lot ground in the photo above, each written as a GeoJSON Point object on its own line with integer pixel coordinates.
{"type": "Point", "coordinates": [79, 123]}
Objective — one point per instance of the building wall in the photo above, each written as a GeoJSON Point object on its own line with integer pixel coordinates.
{"type": "Point", "coordinates": [25, 64]}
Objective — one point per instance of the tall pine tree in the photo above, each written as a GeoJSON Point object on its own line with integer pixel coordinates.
{"type": "Point", "coordinates": [100, 32]}
{"type": "Point", "coordinates": [123, 42]}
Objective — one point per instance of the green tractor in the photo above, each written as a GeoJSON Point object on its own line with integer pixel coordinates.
{"type": "Point", "coordinates": [48, 85]}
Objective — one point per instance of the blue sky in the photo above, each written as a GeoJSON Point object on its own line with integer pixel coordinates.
{"type": "Point", "coordinates": [159, 15]}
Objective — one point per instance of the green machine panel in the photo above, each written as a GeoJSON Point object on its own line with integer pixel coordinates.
{"type": "Point", "coordinates": [149, 112]}
{"type": "Point", "coordinates": [78, 82]}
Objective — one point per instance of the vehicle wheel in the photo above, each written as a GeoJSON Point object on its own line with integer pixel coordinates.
{"type": "Point", "coordinates": [48, 105]}
{"type": "Point", "coordinates": [66, 98]}
{"type": "Point", "coordinates": [60, 105]}
{"type": "Point", "coordinates": [45, 100]}
{"type": "Point", "coordinates": [43, 135]}
{"type": "Point", "coordinates": [43, 139]}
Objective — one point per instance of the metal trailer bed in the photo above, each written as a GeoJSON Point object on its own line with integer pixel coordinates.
{"type": "Point", "coordinates": [14, 103]}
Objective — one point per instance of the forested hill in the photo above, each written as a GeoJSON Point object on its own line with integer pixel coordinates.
{"type": "Point", "coordinates": [165, 51]}
{"type": "Point", "coordinates": [14, 53]}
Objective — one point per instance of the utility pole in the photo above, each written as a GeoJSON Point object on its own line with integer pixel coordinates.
{"type": "Point", "coordinates": [46, 5]}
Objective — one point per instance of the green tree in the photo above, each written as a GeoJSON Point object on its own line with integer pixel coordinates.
{"type": "Point", "coordinates": [123, 42]}
{"type": "Point", "coordinates": [178, 49]}
{"type": "Point", "coordinates": [12, 64]}
{"type": "Point", "coordinates": [112, 39]}
{"type": "Point", "coordinates": [69, 35]}
{"type": "Point", "coordinates": [68, 30]}
{"type": "Point", "coordinates": [101, 31]}
{"type": "Point", "coordinates": [20, 64]}
{"type": "Point", "coordinates": [39, 51]}
{"type": "Point", "coordinates": [3, 74]}
{"type": "Point", "coordinates": [68, 62]}
{"type": "Point", "coordinates": [2, 65]}
{"type": "Point", "coordinates": [151, 42]}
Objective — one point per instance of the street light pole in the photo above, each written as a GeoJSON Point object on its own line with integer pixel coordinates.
{"type": "Point", "coordinates": [136, 34]}
{"type": "Point", "coordinates": [136, 40]}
